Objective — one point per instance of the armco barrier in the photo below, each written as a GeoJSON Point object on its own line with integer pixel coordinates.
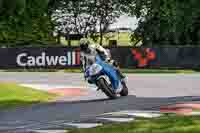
{"type": "Point", "coordinates": [65, 57]}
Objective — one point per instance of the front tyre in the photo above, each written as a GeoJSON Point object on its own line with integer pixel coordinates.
{"type": "Point", "coordinates": [105, 87]}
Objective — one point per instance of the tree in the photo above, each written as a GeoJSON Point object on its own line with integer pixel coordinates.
{"type": "Point", "coordinates": [86, 17]}
{"type": "Point", "coordinates": [168, 22]}
{"type": "Point", "coordinates": [24, 21]}
{"type": "Point", "coordinates": [73, 17]}
{"type": "Point", "coordinates": [106, 12]}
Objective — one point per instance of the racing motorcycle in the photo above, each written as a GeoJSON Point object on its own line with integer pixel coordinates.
{"type": "Point", "coordinates": [105, 77]}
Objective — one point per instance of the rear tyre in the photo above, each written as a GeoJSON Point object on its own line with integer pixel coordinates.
{"type": "Point", "coordinates": [124, 91]}
{"type": "Point", "coordinates": [105, 87]}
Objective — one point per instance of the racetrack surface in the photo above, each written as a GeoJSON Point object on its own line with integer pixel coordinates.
{"type": "Point", "coordinates": [147, 92]}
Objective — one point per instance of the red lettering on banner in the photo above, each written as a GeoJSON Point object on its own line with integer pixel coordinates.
{"type": "Point", "coordinates": [78, 62]}
{"type": "Point", "coordinates": [143, 56]}
{"type": "Point", "coordinates": [78, 58]}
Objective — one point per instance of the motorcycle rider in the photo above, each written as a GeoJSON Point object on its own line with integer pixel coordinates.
{"type": "Point", "coordinates": [89, 52]}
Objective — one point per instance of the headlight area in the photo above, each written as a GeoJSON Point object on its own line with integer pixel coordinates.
{"type": "Point", "coordinates": [95, 69]}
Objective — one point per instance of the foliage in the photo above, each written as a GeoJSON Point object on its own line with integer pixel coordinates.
{"type": "Point", "coordinates": [12, 95]}
{"type": "Point", "coordinates": [86, 17]}
{"type": "Point", "coordinates": [24, 21]}
{"type": "Point", "coordinates": [168, 22]}
{"type": "Point", "coordinates": [162, 22]}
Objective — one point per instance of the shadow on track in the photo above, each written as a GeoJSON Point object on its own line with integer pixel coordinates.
{"type": "Point", "coordinates": [127, 102]}
{"type": "Point", "coordinates": [132, 98]}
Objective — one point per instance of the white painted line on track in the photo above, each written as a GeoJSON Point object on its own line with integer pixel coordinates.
{"type": "Point", "coordinates": [46, 87]}
{"type": "Point", "coordinates": [84, 125]}
{"type": "Point", "coordinates": [49, 131]}
{"type": "Point", "coordinates": [118, 119]}
{"type": "Point", "coordinates": [195, 113]}
{"type": "Point", "coordinates": [141, 114]}
{"type": "Point", "coordinates": [144, 114]}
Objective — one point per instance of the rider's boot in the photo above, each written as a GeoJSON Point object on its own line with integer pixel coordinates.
{"type": "Point", "coordinates": [121, 76]}
{"type": "Point", "coordinates": [119, 89]}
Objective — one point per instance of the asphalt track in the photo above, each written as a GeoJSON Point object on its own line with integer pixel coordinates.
{"type": "Point", "coordinates": [147, 92]}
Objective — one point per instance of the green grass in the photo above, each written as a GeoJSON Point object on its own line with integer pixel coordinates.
{"type": "Point", "coordinates": [167, 124]}
{"type": "Point", "coordinates": [145, 71]}
{"type": "Point", "coordinates": [13, 95]}
{"type": "Point", "coordinates": [139, 71]}
{"type": "Point", "coordinates": [157, 71]}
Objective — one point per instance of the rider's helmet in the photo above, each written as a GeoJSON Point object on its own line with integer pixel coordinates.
{"type": "Point", "coordinates": [84, 44]}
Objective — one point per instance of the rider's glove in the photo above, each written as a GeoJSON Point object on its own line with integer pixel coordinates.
{"type": "Point", "coordinates": [112, 62]}
{"type": "Point", "coordinates": [115, 63]}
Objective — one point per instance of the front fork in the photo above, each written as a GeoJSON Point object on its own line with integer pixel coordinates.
{"type": "Point", "coordinates": [107, 80]}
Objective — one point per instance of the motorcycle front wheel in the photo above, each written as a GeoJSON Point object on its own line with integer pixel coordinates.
{"type": "Point", "coordinates": [105, 87]}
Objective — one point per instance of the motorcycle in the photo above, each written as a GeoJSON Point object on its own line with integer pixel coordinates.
{"type": "Point", "coordinates": [105, 77]}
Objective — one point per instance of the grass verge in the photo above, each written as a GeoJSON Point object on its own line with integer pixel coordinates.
{"type": "Point", "coordinates": [13, 95]}
{"type": "Point", "coordinates": [167, 124]}
{"type": "Point", "coordinates": [157, 71]}
{"type": "Point", "coordinates": [145, 71]}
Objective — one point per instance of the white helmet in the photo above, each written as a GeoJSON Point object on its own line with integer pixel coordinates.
{"type": "Point", "coordinates": [84, 43]}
